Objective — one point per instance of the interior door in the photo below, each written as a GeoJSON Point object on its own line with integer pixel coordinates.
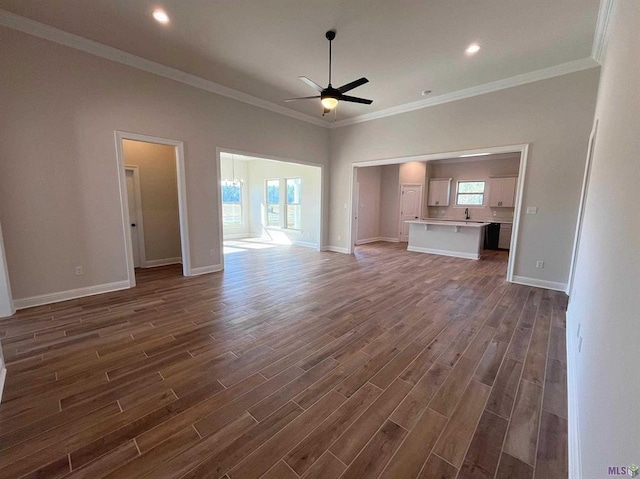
{"type": "Point", "coordinates": [133, 217]}
{"type": "Point", "coordinates": [410, 207]}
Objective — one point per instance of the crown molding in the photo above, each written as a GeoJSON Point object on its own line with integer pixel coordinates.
{"type": "Point", "coordinates": [545, 73]}
{"type": "Point", "coordinates": [31, 27]}
{"type": "Point", "coordinates": [56, 35]}
{"type": "Point", "coordinates": [601, 36]}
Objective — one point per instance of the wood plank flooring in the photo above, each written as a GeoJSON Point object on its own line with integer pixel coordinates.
{"type": "Point", "coordinates": [293, 363]}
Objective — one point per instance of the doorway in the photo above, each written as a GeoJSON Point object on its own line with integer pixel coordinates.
{"type": "Point", "coordinates": [518, 153]}
{"type": "Point", "coordinates": [153, 202]}
{"type": "Point", "coordinates": [267, 202]}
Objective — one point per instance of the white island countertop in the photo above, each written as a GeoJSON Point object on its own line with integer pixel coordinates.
{"type": "Point", "coordinates": [467, 224]}
{"type": "Point", "coordinates": [462, 239]}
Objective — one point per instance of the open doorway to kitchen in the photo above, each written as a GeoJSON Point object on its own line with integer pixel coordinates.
{"type": "Point", "coordinates": [470, 187]}
{"type": "Point", "coordinates": [268, 202]}
{"type": "Point", "coordinates": [153, 197]}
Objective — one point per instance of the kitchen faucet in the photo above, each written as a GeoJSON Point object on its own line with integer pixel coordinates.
{"type": "Point", "coordinates": [466, 214]}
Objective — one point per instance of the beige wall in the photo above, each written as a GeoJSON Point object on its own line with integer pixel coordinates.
{"type": "Point", "coordinates": [553, 115]}
{"type": "Point", "coordinates": [368, 203]}
{"type": "Point", "coordinates": [159, 190]}
{"type": "Point", "coordinates": [390, 202]}
{"type": "Point", "coordinates": [59, 190]}
{"type": "Point", "coordinates": [605, 381]}
{"type": "Point", "coordinates": [480, 170]}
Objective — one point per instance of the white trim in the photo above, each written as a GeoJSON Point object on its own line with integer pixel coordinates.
{"type": "Point", "coordinates": [214, 268]}
{"type": "Point", "coordinates": [523, 79]}
{"type": "Point", "coordinates": [521, 149]}
{"type": "Point", "coordinates": [335, 249]}
{"type": "Point", "coordinates": [540, 283]}
{"type": "Point", "coordinates": [70, 294]}
{"type": "Point", "coordinates": [56, 35]}
{"type": "Point", "coordinates": [581, 207]}
{"type": "Point", "coordinates": [575, 463]}
{"type": "Point", "coordinates": [376, 239]}
{"type": "Point", "coordinates": [601, 36]}
{"type": "Point", "coordinates": [182, 198]}
{"type": "Point", "coordinates": [441, 252]}
{"type": "Point", "coordinates": [3, 378]}
{"type": "Point", "coordinates": [161, 262]}
{"type": "Point", "coordinates": [142, 255]}
{"type": "Point", "coordinates": [7, 306]}
{"type": "Point", "coordinates": [61, 37]}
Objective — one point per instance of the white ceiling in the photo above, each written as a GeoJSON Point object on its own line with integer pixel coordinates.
{"type": "Point", "coordinates": [260, 47]}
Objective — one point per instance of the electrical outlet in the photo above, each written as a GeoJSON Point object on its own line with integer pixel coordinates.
{"type": "Point", "coordinates": [339, 237]}
{"type": "Point", "coordinates": [79, 271]}
{"type": "Point", "coordinates": [532, 210]}
{"type": "Point", "coordinates": [539, 264]}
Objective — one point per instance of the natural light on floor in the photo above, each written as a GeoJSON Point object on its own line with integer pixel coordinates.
{"type": "Point", "coordinates": [242, 245]}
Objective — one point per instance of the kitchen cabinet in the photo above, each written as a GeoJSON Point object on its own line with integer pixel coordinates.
{"type": "Point", "coordinates": [439, 189]}
{"type": "Point", "coordinates": [504, 240]}
{"type": "Point", "coordinates": [502, 192]}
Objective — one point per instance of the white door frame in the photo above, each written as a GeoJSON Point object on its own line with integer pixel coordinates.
{"type": "Point", "coordinates": [140, 223]}
{"type": "Point", "coordinates": [182, 199]}
{"type": "Point", "coordinates": [583, 200]}
{"type": "Point", "coordinates": [400, 204]}
{"type": "Point", "coordinates": [523, 149]}
{"type": "Point", "coordinates": [231, 151]}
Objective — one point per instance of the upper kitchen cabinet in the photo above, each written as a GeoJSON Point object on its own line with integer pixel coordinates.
{"type": "Point", "coordinates": [502, 191]}
{"type": "Point", "coordinates": [439, 189]}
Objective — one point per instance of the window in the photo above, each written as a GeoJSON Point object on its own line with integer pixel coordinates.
{"type": "Point", "coordinates": [470, 193]}
{"type": "Point", "coordinates": [292, 205]}
{"type": "Point", "coordinates": [231, 203]}
{"type": "Point", "coordinates": [273, 202]}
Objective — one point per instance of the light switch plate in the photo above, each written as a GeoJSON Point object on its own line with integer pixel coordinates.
{"type": "Point", "coordinates": [532, 210]}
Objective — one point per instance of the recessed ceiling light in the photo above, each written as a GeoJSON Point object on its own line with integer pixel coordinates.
{"type": "Point", "coordinates": [161, 16]}
{"type": "Point", "coordinates": [425, 92]}
{"type": "Point", "coordinates": [472, 49]}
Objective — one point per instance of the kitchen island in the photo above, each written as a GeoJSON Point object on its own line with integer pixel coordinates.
{"type": "Point", "coordinates": [462, 239]}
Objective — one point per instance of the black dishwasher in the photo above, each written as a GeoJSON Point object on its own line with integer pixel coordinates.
{"type": "Point", "coordinates": [491, 236]}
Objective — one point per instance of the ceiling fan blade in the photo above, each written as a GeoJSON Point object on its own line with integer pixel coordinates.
{"type": "Point", "coordinates": [311, 83]}
{"type": "Point", "coordinates": [355, 99]}
{"type": "Point", "coordinates": [352, 85]}
{"type": "Point", "coordinates": [302, 98]}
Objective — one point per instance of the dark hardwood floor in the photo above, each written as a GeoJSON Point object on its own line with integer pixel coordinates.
{"type": "Point", "coordinates": [293, 363]}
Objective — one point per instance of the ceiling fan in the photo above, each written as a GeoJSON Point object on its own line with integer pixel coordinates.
{"type": "Point", "coordinates": [330, 96]}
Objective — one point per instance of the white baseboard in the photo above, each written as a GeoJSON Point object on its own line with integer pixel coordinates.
{"type": "Point", "coordinates": [306, 244]}
{"type": "Point", "coordinates": [418, 249]}
{"type": "Point", "coordinates": [70, 294]}
{"type": "Point", "coordinates": [162, 262]}
{"type": "Point", "coordinates": [540, 283]}
{"type": "Point", "coordinates": [575, 463]}
{"type": "Point", "coordinates": [3, 377]}
{"type": "Point", "coordinates": [335, 249]}
{"type": "Point", "coordinates": [376, 239]}
{"type": "Point", "coordinates": [214, 268]}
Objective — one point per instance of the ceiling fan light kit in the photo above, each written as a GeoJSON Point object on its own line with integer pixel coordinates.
{"type": "Point", "coordinates": [330, 96]}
